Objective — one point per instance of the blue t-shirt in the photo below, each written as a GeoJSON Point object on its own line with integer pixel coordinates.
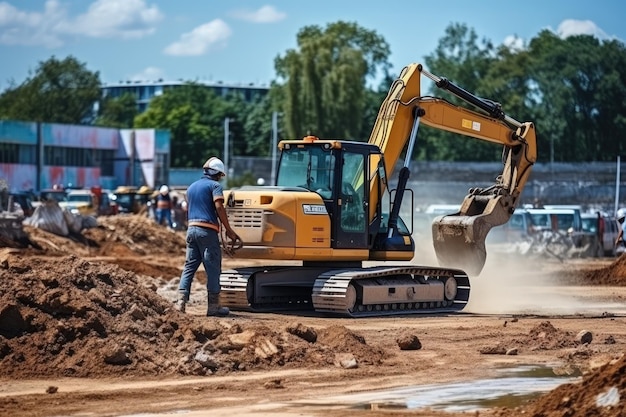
{"type": "Point", "coordinates": [201, 197]}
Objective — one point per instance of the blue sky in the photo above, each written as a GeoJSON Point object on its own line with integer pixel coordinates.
{"type": "Point", "coordinates": [236, 41]}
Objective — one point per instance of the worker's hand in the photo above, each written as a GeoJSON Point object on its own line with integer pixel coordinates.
{"type": "Point", "coordinates": [232, 235]}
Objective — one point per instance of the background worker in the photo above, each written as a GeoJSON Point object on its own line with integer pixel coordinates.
{"type": "Point", "coordinates": [164, 206]}
{"type": "Point", "coordinates": [205, 211]}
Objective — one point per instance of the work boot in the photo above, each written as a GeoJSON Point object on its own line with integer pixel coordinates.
{"type": "Point", "coordinates": [214, 306]}
{"type": "Point", "coordinates": [181, 303]}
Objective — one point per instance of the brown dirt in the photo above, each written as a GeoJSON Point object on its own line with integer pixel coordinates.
{"type": "Point", "coordinates": [613, 274]}
{"type": "Point", "coordinates": [85, 328]}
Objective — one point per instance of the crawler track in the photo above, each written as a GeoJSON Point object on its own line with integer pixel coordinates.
{"type": "Point", "coordinates": [351, 292]}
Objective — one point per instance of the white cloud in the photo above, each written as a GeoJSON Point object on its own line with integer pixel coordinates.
{"type": "Point", "coordinates": [266, 14]}
{"type": "Point", "coordinates": [148, 74]}
{"type": "Point", "coordinates": [19, 27]}
{"type": "Point", "coordinates": [571, 27]}
{"type": "Point", "coordinates": [206, 37]}
{"type": "Point", "coordinates": [116, 19]}
{"type": "Point", "coordinates": [514, 43]}
{"type": "Point", "coordinates": [53, 26]}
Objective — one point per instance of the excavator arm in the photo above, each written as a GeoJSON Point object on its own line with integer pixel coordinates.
{"type": "Point", "coordinates": [459, 239]}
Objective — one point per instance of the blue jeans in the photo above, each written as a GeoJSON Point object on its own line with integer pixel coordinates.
{"type": "Point", "coordinates": [164, 214]}
{"type": "Point", "coordinates": [203, 246]}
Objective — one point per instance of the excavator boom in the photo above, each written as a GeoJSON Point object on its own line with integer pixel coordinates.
{"type": "Point", "coordinates": [458, 239]}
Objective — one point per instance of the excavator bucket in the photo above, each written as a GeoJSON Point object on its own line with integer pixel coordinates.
{"type": "Point", "coordinates": [459, 239]}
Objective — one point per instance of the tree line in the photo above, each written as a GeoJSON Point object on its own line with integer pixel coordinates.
{"type": "Point", "coordinates": [573, 89]}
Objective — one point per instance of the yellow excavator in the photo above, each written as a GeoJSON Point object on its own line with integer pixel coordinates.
{"type": "Point", "coordinates": [331, 211]}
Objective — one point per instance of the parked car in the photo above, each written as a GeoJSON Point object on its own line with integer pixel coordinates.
{"type": "Point", "coordinates": [82, 201]}
{"type": "Point", "coordinates": [58, 194]}
{"type": "Point", "coordinates": [519, 228]}
{"type": "Point", "coordinates": [566, 220]}
{"type": "Point", "coordinates": [605, 228]}
{"type": "Point", "coordinates": [25, 200]}
{"type": "Point", "coordinates": [129, 199]}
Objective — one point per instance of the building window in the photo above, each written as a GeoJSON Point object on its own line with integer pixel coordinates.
{"type": "Point", "coordinates": [14, 153]}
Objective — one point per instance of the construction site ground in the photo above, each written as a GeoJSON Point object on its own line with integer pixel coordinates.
{"type": "Point", "coordinates": [87, 328]}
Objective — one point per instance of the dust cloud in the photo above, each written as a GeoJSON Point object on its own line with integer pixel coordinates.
{"type": "Point", "coordinates": [513, 285]}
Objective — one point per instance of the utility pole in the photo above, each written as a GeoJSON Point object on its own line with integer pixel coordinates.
{"type": "Point", "coordinates": [226, 147]}
{"type": "Point", "coordinates": [274, 145]}
{"type": "Point", "coordinates": [617, 184]}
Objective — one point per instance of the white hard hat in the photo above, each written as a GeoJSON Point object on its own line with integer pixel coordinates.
{"type": "Point", "coordinates": [164, 189]}
{"type": "Point", "coordinates": [621, 213]}
{"type": "Point", "coordinates": [215, 164]}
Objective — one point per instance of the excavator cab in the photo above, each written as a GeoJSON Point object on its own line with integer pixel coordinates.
{"type": "Point", "coordinates": [336, 171]}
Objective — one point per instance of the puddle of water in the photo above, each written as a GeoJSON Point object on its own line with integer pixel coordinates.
{"type": "Point", "coordinates": [516, 386]}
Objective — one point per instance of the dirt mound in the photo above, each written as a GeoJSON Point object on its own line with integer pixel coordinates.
{"type": "Point", "coordinates": [70, 317]}
{"type": "Point", "coordinates": [614, 274]}
{"type": "Point", "coordinates": [543, 336]}
{"type": "Point", "coordinates": [122, 235]}
{"type": "Point", "coordinates": [600, 393]}
{"type": "Point", "coordinates": [340, 339]}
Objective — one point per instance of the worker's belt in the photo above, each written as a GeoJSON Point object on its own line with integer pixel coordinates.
{"type": "Point", "coordinates": [163, 205]}
{"type": "Point", "coordinates": [205, 225]}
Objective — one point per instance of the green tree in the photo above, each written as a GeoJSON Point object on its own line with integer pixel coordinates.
{"type": "Point", "coordinates": [258, 128]}
{"type": "Point", "coordinates": [186, 112]}
{"type": "Point", "coordinates": [60, 91]}
{"type": "Point", "coordinates": [196, 119]}
{"type": "Point", "coordinates": [324, 79]}
{"type": "Point", "coordinates": [117, 112]}
{"type": "Point", "coordinates": [373, 100]}
{"type": "Point", "coordinates": [465, 60]}
{"type": "Point", "coordinates": [580, 96]}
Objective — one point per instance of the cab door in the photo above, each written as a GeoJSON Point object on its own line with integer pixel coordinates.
{"type": "Point", "coordinates": [350, 220]}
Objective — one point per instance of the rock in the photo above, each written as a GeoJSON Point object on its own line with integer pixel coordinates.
{"type": "Point", "coordinates": [242, 339]}
{"type": "Point", "coordinates": [117, 356]}
{"type": "Point", "coordinates": [346, 361]}
{"type": "Point", "coordinates": [12, 323]}
{"type": "Point", "coordinates": [584, 337]}
{"type": "Point", "coordinates": [512, 352]}
{"type": "Point", "coordinates": [52, 389]}
{"type": "Point", "coordinates": [493, 350]}
{"type": "Point", "coordinates": [303, 332]}
{"type": "Point", "coordinates": [273, 384]}
{"type": "Point", "coordinates": [409, 342]}
{"type": "Point", "coordinates": [136, 313]}
{"type": "Point", "coordinates": [205, 360]}
{"type": "Point", "coordinates": [96, 296]}
{"type": "Point", "coordinates": [265, 349]}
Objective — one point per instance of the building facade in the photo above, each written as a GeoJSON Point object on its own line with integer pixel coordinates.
{"type": "Point", "coordinates": [145, 91]}
{"type": "Point", "coordinates": [36, 156]}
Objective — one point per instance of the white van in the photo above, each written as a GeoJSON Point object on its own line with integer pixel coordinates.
{"type": "Point", "coordinates": [517, 229]}
{"type": "Point", "coordinates": [556, 219]}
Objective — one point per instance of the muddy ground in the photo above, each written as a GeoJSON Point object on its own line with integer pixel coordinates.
{"type": "Point", "coordinates": [87, 328]}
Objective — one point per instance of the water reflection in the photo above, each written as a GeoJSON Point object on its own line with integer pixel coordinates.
{"type": "Point", "coordinates": [515, 387]}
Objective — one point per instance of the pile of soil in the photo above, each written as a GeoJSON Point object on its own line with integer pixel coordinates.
{"type": "Point", "coordinates": [543, 336]}
{"type": "Point", "coordinates": [71, 317]}
{"type": "Point", "coordinates": [600, 393]}
{"type": "Point", "coordinates": [121, 235]}
{"type": "Point", "coordinates": [614, 274]}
